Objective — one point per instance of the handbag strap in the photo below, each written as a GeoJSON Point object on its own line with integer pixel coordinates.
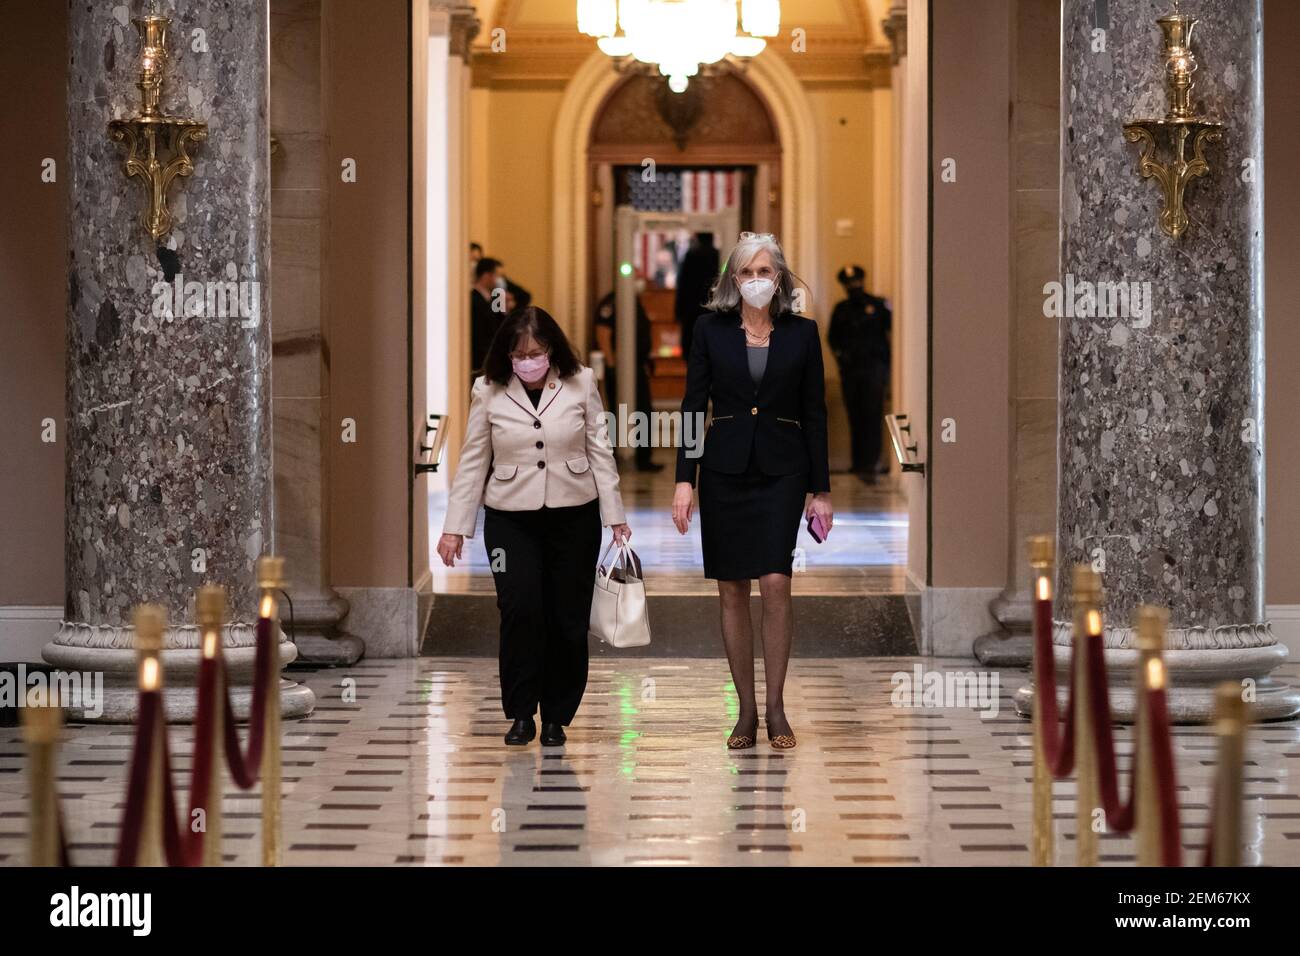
{"type": "Point", "coordinates": [600, 567]}
{"type": "Point", "coordinates": [631, 563]}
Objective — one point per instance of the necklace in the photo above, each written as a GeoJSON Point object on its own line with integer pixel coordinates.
{"type": "Point", "coordinates": [757, 339]}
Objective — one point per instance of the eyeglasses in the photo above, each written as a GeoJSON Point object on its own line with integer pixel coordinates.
{"type": "Point", "coordinates": [535, 354]}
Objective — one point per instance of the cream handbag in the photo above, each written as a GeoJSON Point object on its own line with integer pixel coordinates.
{"type": "Point", "coordinates": [619, 615]}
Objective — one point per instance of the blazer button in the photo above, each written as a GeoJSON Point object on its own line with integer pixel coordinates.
{"type": "Point", "coordinates": [539, 444]}
{"type": "Point", "coordinates": [541, 464]}
{"type": "Point", "coordinates": [754, 410]}
{"type": "Point", "coordinates": [536, 423]}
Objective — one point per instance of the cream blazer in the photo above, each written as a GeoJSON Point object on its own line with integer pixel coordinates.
{"type": "Point", "coordinates": [519, 458]}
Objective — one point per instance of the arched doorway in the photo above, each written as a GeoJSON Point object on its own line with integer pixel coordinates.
{"type": "Point", "coordinates": [586, 95]}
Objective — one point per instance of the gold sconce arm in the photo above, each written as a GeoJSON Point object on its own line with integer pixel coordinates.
{"type": "Point", "coordinates": [1179, 126]}
{"type": "Point", "coordinates": [157, 146]}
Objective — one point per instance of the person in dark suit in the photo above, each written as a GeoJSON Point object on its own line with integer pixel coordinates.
{"type": "Point", "coordinates": [859, 338]}
{"type": "Point", "coordinates": [695, 278]}
{"type": "Point", "coordinates": [487, 310]}
{"type": "Point", "coordinates": [764, 452]}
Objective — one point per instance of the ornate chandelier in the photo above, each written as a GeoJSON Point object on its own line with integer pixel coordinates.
{"type": "Point", "coordinates": [679, 36]}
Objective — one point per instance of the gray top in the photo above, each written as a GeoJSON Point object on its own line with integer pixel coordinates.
{"type": "Point", "coordinates": [757, 362]}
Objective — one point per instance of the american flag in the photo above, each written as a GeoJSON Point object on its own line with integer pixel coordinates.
{"type": "Point", "coordinates": [677, 191]}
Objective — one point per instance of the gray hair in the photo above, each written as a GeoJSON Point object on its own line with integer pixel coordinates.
{"type": "Point", "coordinates": [725, 294]}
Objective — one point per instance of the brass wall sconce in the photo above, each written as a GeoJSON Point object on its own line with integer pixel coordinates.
{"type": "Point", "coordinates": [157, 145]}
{"type": "Point", "coordinates": [1179, 126]}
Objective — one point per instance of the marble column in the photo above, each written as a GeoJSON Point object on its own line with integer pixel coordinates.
{"type": "Point", "coordinates": [169, 480]}
{"type": "Point", "coordinates": [1161, 431]}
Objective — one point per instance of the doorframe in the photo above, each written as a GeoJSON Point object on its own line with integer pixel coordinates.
{"type": "Point", "coordinates": [722, 223]}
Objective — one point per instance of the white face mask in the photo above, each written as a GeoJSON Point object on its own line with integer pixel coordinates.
{"type": "Point", "coordinates": [758, 292]}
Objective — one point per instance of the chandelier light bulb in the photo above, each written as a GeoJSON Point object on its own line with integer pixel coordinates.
{"type": "Point", "coordinates": [761, 18]}
{"type": "Point", "coordinates": [679, 36]}
{"type": "Point", "coordinates": [598, 18]}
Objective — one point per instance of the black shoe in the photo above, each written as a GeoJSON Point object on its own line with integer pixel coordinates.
{"type": "Point", "coordinates": [552, 735]}
{"type": "Point", "coordinates": [521, 732]}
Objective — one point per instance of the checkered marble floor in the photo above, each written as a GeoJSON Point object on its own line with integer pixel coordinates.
{"type": "Point", "coordinates": [402, 763]}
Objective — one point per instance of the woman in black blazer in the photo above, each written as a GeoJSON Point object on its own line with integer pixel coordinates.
{"type": "Point", "coordinates": [761, 365]}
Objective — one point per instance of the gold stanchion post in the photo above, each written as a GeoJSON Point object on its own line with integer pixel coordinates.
{"type": "Point", "coordinates": [270, 578]}
{"type": "Point", "coordinates": [1087, 627]}
{"type": "Point", "coordinates": [1150, 624]}
{"type": "Point", "coordinates": [1042, 556]}
{"type": "Point", "coordinates": [150, 622]}
{"type": "Point", "coordinates": [1230, 726]}
{"type": "Point", "coordinates": [210, 611]}
{"type": "Point", "coordinates": [42, 720]}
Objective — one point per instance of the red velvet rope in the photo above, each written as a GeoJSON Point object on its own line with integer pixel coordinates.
{"type": "Point", "coordinates": [1162, 753]}
{"type": "Point", "coordinates": [138, 777]}
{"type": "Point", "coordinates": [1119, 815]}
{"type": "Point", "coordinates": [185, 847]}
{"type": "Point", "coordinates": [1058, 750]}
{"type": "Point", "coordinates": [245, 770]}
{"type": "Point", "coordinates": [65, 859]}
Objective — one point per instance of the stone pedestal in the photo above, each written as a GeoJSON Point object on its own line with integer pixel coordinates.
{"type": "Point", "coordinates": [1161, 428]}
{"type": "Point", "coordinates": [169, 431]}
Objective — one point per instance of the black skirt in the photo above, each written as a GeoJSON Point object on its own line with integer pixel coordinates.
{"type": "Point", "coordinates": [749, 522]}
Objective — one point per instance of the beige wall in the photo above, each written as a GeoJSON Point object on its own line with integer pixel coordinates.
{"type": "Point", "coordinates": [1035, 197]}
{"type": "Point", "coordinates": [518, 139]}
{"type": "Point", "coordinates": [33, 288]}
{"type": "Point", "coordinates": [365, 292]}
{"type": "Point", "coordinates": [846, 183]}
{"type": "Point", "coordinates": [971, 300]}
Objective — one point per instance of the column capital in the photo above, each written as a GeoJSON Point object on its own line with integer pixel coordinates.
{"type": "Point", "coordinates": [895, 27]}
{"type": "Point", "coordinates": [458, 20]}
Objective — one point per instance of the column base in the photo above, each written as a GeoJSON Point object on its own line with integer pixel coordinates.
{"type": "Point", "coordinates": [109, 651]}
{"type": "Point", "coordinates": [316, 616]}
{"type": "Point", "coordinates": [1011, 645]}
{"type": "Point", "coordinates": [1193, 677]}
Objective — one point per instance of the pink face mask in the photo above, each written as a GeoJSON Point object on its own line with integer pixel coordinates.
{"type": "Point", "coordinates": [531, 369]}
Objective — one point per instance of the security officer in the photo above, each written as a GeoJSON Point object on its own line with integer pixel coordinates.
{"type": "Point", "coordinates": [859, 338]}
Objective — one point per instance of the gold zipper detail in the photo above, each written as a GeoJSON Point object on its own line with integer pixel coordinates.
{"type": "Point", "coordinates": [718, 418]}
{"type": "Point", "coordinates": [792, 421]}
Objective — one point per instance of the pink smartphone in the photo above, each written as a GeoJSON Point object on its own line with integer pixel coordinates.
{"type": "Point", "coordinates": [817, 529]}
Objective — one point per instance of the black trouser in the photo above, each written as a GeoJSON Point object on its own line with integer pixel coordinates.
{"type": "Point", "coordinates": [864, 400]}
{"type": "Point", "coordinates": [544, 566]}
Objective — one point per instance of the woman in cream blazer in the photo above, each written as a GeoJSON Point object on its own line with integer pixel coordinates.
{"type": "Point", "coordinates": [538, 458]}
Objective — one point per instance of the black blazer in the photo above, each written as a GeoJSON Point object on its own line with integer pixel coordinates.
{"type": "Point", "coordinates": [783, 420]}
